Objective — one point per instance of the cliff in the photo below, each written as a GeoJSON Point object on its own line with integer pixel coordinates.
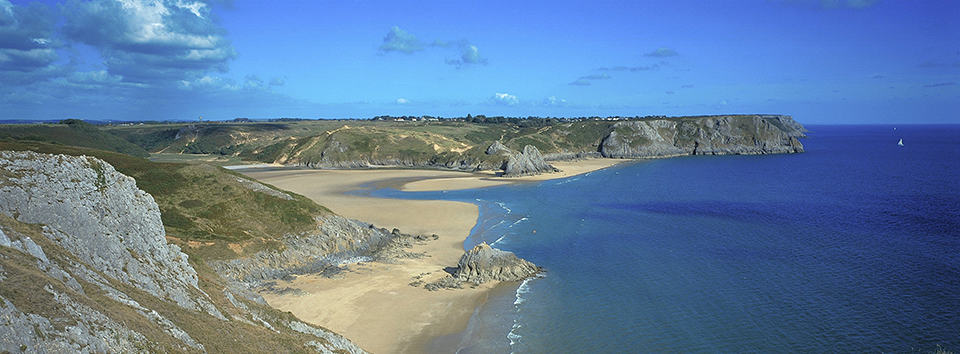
{"type": "Point", "coordinates": [85, 266]}
{"type": "Point", "coordinates": [722, 135]}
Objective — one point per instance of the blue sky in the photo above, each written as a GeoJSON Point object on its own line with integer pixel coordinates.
{"type": "Point", "coordinates": [830, 61]}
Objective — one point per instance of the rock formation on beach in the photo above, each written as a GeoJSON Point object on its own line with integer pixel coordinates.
{"type": "Point", "coordinates": [526, 163]}
{"type": "Point", "coordinates": [85, 266]}
{"type": "Point", "coordinates": [484, 263]}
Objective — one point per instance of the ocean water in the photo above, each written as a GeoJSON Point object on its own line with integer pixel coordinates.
{"type": "Point", "coordinates": [852, 246]}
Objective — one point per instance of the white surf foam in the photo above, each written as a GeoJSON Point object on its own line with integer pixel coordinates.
{"type": "Point", "coordinates": [523, 289]}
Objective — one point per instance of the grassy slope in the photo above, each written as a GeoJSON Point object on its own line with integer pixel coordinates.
{"type": "Point", "coordinates": [412, 143]}
{"type": "Point", "coordinates": [312, 141]}
{"type": "Point", "coordinates": [76, 133]}
{"type": "Point", "coordinates": [204, 203]}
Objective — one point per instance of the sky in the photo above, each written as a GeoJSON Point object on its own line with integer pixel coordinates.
{"type": "Point", "coordinates": [821, 61]}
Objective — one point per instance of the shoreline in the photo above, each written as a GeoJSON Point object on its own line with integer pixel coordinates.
{"type": "Point", "coordinates": [373, 303]}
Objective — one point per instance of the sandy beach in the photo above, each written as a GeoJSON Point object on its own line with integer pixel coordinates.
{"type": "Point", "coordinates": [489, 179]}
{"type": "Point", "coordinates": [373, 303]}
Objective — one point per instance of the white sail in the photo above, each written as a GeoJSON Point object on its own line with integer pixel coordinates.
{"type": "Point", "coordinates": [900, 143]}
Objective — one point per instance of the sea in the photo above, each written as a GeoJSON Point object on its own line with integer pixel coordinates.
{"type": "Point", "coordinates": [851, 246]}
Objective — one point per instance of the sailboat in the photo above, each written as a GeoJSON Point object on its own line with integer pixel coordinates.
{"type": "Point", "coordinates": [900, 143]}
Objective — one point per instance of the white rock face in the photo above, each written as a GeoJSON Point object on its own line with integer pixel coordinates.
{"type": "Point", "coordinates": [99, 215]}
{"type": "Point", "coordinates": [719, 135]}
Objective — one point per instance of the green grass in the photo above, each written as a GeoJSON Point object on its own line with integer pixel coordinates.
{"type": "Point", "coordinates": [311, 142]}
{"type": "Point", "coordinates": [74, 133]}
{"type": "Point", "coordinates": [202, 202]}
{"type": "Point", "coordinates": [209, 159]}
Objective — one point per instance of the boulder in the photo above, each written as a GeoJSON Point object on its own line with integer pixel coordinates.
{"type": "Point", "coordinates": [484, 263]}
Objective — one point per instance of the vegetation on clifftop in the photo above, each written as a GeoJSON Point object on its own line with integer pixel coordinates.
{"type": "Point", "coordinates": [72, 132]}
{"type": "Point", "coordinates": [204, 203]}
{"type": "Point", "coordinates": [408, 141]}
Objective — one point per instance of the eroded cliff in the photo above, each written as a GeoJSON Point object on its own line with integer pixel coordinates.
{"type": "Point", "coordinates": [85, 266]}
{"type": "Point", "coordinates": [717, 135]}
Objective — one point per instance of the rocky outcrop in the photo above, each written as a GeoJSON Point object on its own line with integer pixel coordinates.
{"type": "Point", "coordinates": [498, 148]}
{"type": "Point", "coordinates": [100, 215]}
{"type": "Point", "coordinates": [526, 163]}
{"type": "Point", "coordinates": [484, 263]}
{"type": "Point", "coordinates": [719, 135]}
{"type": "Point", "coordinates": [85, 267]}
{"type": "Point", "coordinates": [259, 187]}
{"type": "Point", "coordinates": [338, 240]}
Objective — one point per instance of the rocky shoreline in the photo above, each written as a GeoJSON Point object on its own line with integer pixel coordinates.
{"type": "Point", "coordinates": [653, 138]}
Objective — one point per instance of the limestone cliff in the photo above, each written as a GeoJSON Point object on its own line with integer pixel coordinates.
{"type": "Point", "coordinates": [85, 266]}
{"type": "Point", "coordinates": [715, 135]}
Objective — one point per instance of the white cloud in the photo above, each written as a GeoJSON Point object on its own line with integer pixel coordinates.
{"type": "Point", "coordinates": [150, 41]}
{"type": "Point", "coordinates": [505, 98]}
{"type": "Point", "coordinates": [554, 101]}
{"type": "Point", "coordinates": [402, 100]}
{"type": "Point", "coordinates": [398, 40]}
{"type": "Point", "coordinates": [195, 7]}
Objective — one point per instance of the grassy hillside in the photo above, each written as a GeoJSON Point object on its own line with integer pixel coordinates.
{"type": "Point", "coordinates": [312, 142]}
{"type": "Point", "coordinates": [447, 143]}
{"type": "Point", "coordinates": [74, 133]}
{"type": "Point", "coordinates": [206, 204]}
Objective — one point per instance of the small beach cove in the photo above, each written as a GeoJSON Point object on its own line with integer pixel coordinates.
{"type": "Point", "coordinates": [373, 303]}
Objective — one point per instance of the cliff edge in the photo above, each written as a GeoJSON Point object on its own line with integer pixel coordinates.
{"type": "Point", "coordinates": [715, 135]}
{"type": "Point", "coordinates": [85, 266]}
